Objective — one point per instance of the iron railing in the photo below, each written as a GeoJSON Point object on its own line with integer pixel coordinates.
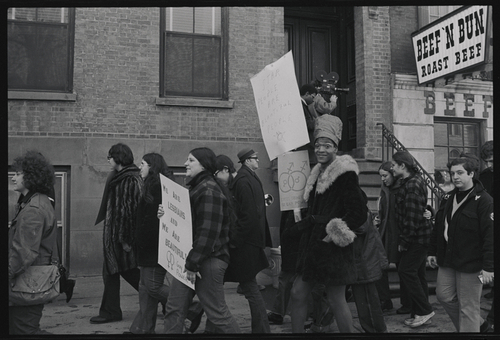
{"type": "Point", "coordinates": [389, 143]}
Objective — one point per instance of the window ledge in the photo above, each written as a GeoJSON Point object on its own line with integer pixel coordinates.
{"type": "Point", "coordinates": [195, 102]}
{"type": "Point", "coordinates": [35, 95]}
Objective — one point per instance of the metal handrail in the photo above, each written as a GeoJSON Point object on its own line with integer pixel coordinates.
{"type": "Point", "coordinates": [436, 191]}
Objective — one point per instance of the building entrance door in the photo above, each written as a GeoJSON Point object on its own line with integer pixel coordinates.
{"type": "Point", "coordinates": [322, 39]}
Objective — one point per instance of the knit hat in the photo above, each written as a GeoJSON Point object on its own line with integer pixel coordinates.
{"type": "Point", "coordinates": [330, 127]}
{"type": "Point", "coordinates": [245, 153]}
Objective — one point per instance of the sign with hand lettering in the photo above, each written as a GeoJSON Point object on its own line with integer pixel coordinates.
{"type": "Point", "coordinates": [452, 43]}
{"type": "Point", "coordinates": [293, 169]}
{"type": "Point", "coordinates": [176, 233]}
{"type": "Point", "coordinates": [279, 107]}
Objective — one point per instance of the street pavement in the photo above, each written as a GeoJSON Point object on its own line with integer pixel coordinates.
{"type": "Point", "coordinates": [73, 318]}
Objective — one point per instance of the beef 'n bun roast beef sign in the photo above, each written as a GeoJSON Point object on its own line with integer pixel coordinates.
{"type": "Point", "coordinates": [451, 44]}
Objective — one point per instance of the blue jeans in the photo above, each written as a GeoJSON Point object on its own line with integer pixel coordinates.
{"type": "Point", "coordinates": [154, 287]}
{"type": "Point", "coordinates": [412, 274]}
{"type": "Point", "coordinates": [210, 291]}
{"type": "Point", "coordinates": [460, 295]}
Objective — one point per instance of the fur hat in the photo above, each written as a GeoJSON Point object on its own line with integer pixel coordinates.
{"type": "Point", "coordinates": [330, 127]}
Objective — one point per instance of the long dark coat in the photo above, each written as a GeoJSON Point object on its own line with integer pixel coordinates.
{"type": "Point", "coordinates": [118, 209]}
{"type": "Point", "coordinates": [338, 205]}
{"type": "Point", "coordinates": [388, 228]}
{"type": "Point", "coordinates": [251, 233]}
{"type": "Point", "coordinates": [148, 229]}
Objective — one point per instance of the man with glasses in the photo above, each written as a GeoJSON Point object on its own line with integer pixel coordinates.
{"type": "Point", "coordinates": [251, 235]}
{"type": "Point", "coordinates": [121, 194]}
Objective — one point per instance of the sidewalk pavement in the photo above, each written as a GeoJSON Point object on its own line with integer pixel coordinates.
{"type": "Point", "coordinates": [73, 318]}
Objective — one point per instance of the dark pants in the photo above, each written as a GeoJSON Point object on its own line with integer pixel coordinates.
{"type": "Point", "coordinates": [384, 292]}
{"type": "Point", "coordinates": [280, 305]}
{"type": "Point", "coordinates": [491, 313]}
{"type": "Point", "coordinates": [412, 274]}
{"type": "Point", "coordinates": [369, 309]}
{"type": "Point", "coordinates": [25, 320]}
{"type": "Point", "coordinates": [110, 304]}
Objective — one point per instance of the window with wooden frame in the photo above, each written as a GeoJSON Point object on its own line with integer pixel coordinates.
{"type": "Point", "coordinates": [454, 137]}
{"type": "Point", "coordinates": [40, 44]}
{"type": "Point", "coordinates": [428, 14]}
{"type": "Point", "coordinates": [193, 56]}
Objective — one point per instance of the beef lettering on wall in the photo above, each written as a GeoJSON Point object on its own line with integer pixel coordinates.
{"type": "Point", "coordinates": [451, 44]}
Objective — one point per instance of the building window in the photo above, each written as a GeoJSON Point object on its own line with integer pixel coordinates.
{"type": "Point", "coordinates": [428, 14]}
{"type": "Point", "coordinates": [40, 49]}
{"type": "Point", "coordinates": [193, 52]}
{"type": "Point", "coordinates": [451, 138]}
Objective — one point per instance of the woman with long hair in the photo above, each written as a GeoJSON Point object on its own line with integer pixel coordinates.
{"type": "Point", "coordinates": [152, 287]}
{"type": "Point", "coordinates": [32, 233]}
{"type": "Point", "coordinates": [208, 259]}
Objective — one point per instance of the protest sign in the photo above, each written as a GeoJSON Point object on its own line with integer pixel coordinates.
{"type": "Point", "coordinates": [176, 234]}
{"type": "Point", "coordinates": [279, 107]}
{"type": "Point", "coordinates": [293, 170]}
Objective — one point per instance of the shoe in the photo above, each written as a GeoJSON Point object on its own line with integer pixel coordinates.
{"type": "Point", "coordinates": [485, 327]}
{"type": "Point", "coordinates": [421, 320]}
{"type": "Point", "coordinates": [100, 319]}
{"type": "Point", "coordinates": [196, 322]}
{"type": "Point", "coordinates": [403, 310]}
{"type": "Point", "coordinates": [409, 321]}
{"type": "Point", "coordinates": [274, 318]}
{"type": "Point", "coordinates": [70, 285]}
{"type": "Point", "coordinates": [386, 305]}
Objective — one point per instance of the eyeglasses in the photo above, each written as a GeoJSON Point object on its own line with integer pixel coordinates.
{"type": "Point", "coordinates": [253, 157]}
{"type": "Point", "coordinates": [326, 146]}
{"type": "Point", "coordinates": [224, 168]}
{"type": "Point", "coordinates": [109, 157]}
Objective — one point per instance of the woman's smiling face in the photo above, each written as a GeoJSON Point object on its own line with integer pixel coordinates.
{"type": "Point", "coordinates": [193, 167]}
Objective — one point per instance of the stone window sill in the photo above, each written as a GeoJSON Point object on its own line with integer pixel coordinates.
{"type": "Point", "coordinates": [195, 102]}
{"type": "Point", "coordinates": [35, 95]}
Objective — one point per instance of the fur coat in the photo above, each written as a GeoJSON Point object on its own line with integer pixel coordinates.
{"type": "Point", "coordinates": [121, 199]}
{"type": "Point", "coordinates": [336, 208]}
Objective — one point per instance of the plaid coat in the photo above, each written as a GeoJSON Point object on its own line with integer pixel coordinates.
{"type": "Point", "coordinates": [411, 200]}
{"type": "Point", "coordinates": [210, 215]}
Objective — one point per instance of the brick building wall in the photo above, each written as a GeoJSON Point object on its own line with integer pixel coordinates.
{"type": "Point", "coordinates": [116, 81]}
{"type": "Point", "coordinates": [403, 22]}
{"type": "Point", "coordinates": [373, 67]}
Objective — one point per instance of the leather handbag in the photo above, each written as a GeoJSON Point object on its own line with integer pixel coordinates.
{"type": "Point", "coordinates": [37, 285]}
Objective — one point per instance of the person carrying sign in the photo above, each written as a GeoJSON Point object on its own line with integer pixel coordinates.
{"type": "Point", "coordinates": [208, 259]}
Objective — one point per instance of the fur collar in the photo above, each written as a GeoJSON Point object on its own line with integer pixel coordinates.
{"type": "Point", "coordinates": [339, 166]}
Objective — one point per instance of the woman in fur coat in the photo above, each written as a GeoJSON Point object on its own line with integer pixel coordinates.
{"type": "Point", "coordinates": [336, 208]}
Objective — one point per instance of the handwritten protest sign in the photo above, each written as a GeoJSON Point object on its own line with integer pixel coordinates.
{"type": "Point", "coordinates": [293, 170]}
{"type": "Point", "coordinates": [176, 235]}
{"type": "Point", "coordinates": [279, 107]}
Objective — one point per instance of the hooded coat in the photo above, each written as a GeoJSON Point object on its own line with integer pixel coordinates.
{"type": "Point", "coordinates": [336, 207]}
{"type": "Point", "coordinates": [119, 204]}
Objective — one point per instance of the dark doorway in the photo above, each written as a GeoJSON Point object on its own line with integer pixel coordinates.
{"type": "Point", "coordinates": [322, 39]}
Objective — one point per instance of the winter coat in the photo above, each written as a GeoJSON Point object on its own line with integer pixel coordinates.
{"type": "Point", "coordinates": [32, 234]}
{"type": "Point", "coordinates": [210, 218]}
{"type": "Point", "coordinates": [388, 228]}
{"type": "Point", "coordinates": [251, 233]}
{"type": "Point", "coordinates": [336, 206]}
{"type": "Point", "coordinates": [119, 208]}
{"type": "Point", "coordinates": [470, 233]}
{"type": "Point", "coordinates": [369, 253]}
{"type": "Point", "coordinates": [148, 229]}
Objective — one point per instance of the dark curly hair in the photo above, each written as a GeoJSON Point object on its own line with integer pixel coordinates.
{"type": "Point", "coordinates": [157, 166]}
{"type": "Point", "coordinates": [38, 172]}
{"type": "Point", "coordinates": [470, 162]}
